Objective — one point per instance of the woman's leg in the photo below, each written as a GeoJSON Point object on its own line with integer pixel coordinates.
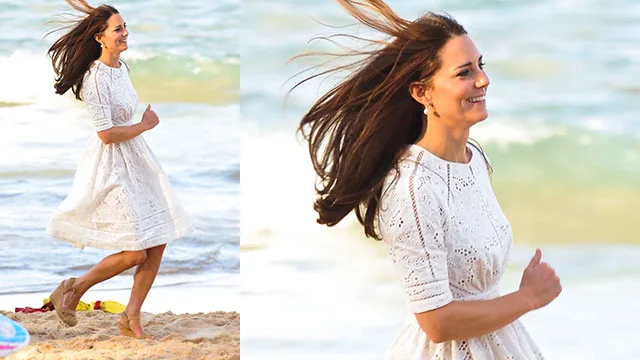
{"type": "Point", "coordinates": [107, 268]}
{"type": "Point", "coordinates": [142, 280]}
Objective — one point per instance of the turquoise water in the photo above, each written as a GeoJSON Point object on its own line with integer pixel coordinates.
{"type": "Point", "coordinates": [562, 135]}
{"type": "Point", "coordinates": [184, 61]}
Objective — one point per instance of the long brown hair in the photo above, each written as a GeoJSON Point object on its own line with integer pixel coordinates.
{"type": "Point", "coordinates": [73, 53]}
{"type": "Point", "coordinates": [358, 130]}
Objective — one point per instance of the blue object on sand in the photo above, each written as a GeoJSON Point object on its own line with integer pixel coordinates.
{"type": "Point", "coordinates": [13, 336]}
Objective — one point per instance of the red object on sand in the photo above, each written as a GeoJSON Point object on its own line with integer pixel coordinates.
{"type": "Point", "coordinates": [29, 310]}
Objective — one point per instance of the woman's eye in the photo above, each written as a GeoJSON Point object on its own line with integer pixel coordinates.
{"type": "Point", "coordinates": [482, 65]}
{"type": "Point", "coordinates": [464, 73]}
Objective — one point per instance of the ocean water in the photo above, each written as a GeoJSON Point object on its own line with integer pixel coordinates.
{"type": "Point", "coordinates": [184, 61]}
{"type": "Point", "coordinates": [562, 135]}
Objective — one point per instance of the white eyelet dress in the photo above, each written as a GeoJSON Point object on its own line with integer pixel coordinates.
{"type": "Point", "coordinates": [449, 240]}
{"type": "Point", "coordinates": [121, 198]}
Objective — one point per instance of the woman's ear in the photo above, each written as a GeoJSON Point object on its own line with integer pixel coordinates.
{"type": "Point", "coordinates": [419, 92]}
{"type": "Point", "coordinates": [98, 37]}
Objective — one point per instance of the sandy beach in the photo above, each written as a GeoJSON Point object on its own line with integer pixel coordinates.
{"type": "Point", "coordinates": [212, 335]}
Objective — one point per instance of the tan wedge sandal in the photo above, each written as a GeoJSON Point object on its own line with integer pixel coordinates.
{"type": "Point", "coordinates": [67, 315]}
{"type": "Point", "coordinates": [125, 330]}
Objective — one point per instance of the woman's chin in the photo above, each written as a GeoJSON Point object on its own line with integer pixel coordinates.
{"type": "Point", "coordinates": [478, 119]}
{"type": "Point", "coordinates": [482, 115]}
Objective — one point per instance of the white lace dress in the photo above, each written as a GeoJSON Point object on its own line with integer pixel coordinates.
{"type": "Point", "coordinates": [449, 240]}
{"type": "Point", "coordinates": [121, 198]}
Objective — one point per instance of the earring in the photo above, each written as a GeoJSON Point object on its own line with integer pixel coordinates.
{"type": "Point", "coordinates": [426, 110]}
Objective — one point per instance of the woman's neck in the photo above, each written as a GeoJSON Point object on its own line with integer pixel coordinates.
{"type": "Point", "coordinates": [445, 143]}
{"type": "Point", "coordinates": [110, 59]}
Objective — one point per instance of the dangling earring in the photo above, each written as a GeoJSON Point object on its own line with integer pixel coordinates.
{"type": "Point", "coordinates": [426, 110]}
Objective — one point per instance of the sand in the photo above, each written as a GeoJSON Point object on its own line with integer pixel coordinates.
{"type": "Point", "coordinates": [177, 336]}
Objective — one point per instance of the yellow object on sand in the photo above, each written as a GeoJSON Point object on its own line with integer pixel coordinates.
{"type": "Point", "coordinates": [113, 307]}
{"type": "Point", "coordinates": [82, 306]}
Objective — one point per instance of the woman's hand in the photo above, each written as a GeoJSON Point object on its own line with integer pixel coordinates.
{"type": "Point", "coordinates": [540, 284]}
{"type": "Point", "coordinates": [149, 118]}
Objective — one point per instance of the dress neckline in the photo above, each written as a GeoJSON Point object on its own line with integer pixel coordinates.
{"type": "Point", "coordinates": [110, 67]}
{"type": "Point", "coordinates": [417, 148]}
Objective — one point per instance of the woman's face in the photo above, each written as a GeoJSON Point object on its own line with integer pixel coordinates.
{"type": "Point", "coordinates": [458, 88]}
{"type": "Point", "coordinates": [114, 37]}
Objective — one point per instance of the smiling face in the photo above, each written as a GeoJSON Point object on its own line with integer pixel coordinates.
{"type": "Point", "coordinates": [457, 90]}
{"type": "Point", "coordinates": [114, 37]}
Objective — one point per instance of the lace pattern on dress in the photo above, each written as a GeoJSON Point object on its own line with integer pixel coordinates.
{"type": "Point", "coordinates": [448, 240]}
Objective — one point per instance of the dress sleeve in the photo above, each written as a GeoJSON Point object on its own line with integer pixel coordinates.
{"type": "Point", "coordinates": [96, 93]}
{"type": "Point", "coordinates": [413, 226]}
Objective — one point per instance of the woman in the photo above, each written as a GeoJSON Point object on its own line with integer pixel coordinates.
{"type": "Point", "coordinates": [121, 199]}
{"type": "Point", "coordinates": [391, 143]}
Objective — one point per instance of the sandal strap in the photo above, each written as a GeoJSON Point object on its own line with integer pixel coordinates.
{"type": "Point", "coordinates": [130, 317]}
{"type": "Point", "coordinates": [69, 288]}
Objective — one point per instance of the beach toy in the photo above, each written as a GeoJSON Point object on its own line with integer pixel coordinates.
{"type": "Point", "coordinates": [113, 307]}
{"type": "Point", "coordinates": [13, 337]}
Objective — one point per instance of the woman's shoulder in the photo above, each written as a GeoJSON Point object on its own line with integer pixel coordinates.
{"type": "Point", "coordinates": [96, 80]}
{"type": "Point", "coordinates": [413, 163]}
{"type": "Point", "coordinates": [412, 185]}
{"type": "Point", "coordinates": [413, 174]}
{"type": "Point", "coordinates": [98, 71]}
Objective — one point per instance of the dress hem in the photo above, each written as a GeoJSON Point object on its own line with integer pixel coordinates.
{"type": "Point", "coordinates": [133, 245]}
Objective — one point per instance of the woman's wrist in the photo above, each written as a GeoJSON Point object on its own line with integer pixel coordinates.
{"type": "Point", "coordinates": [142, 127]}
{"type": "Point", "coordinates": [526, 299]}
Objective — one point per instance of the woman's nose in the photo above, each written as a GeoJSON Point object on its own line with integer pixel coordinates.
{"type": "Point", "coordinates": [482, 80]}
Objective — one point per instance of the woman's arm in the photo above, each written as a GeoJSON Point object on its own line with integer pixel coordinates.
{"type": "Point", "coordinates": [459, 320]}
{"type": "Point", "coordinates": [118, 134]}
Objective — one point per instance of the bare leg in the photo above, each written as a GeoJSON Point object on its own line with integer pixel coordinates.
{"type": "Point", "coordinates": [142, 281]}
{"type": "Point", "coordinates": [107, 268]}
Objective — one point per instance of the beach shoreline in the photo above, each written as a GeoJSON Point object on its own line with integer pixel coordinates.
{"type": "Point", "coordinates": [223, 295]}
